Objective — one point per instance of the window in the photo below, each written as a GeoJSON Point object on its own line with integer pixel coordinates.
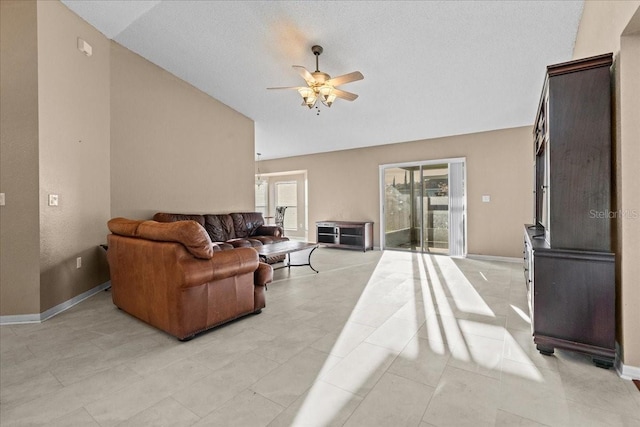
{"type": "Point", "coordinates": [287, 195]}
{"type": "Point", "coordinates": [262, 198]}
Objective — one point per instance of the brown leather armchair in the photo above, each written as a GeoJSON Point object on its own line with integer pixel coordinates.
{"type": "Point", "coordinates": [173, 277]}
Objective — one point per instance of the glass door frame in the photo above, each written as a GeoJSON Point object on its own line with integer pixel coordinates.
{"type": "Point", "coordinates": [448, 162]}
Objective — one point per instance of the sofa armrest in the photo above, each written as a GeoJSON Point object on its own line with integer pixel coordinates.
{"type": "Point", "coordinates": [263, 275]}
{"type": "Point", "coordinates": [269, 230]}
{"type": "Point", "coordinates": [222, 265]}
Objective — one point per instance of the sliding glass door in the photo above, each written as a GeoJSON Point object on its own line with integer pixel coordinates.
{"type": "Point", "coordinates": [421, 209]}
{"type": "Point", "coordinates": [401, 213]}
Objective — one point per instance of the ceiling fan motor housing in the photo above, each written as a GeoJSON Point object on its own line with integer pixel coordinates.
{"type": "Point", "coordinates": [320, 77]}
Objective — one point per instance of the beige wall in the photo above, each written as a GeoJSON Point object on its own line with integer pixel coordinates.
{"type": "Point", "coordinates": [174, 148]}
{"type": "Point", "coordinates": [628, 157]}
{"type": "Point", "coordinates": [19, 218]}
{"type": "Point", "coordinates": [601, 28]}
{"type": "Point", "coordinates": [73, 104]}
{"type": "Point", "coordinates": [111, 134]}
{"type": "Point", "coordinates": [344, 185]}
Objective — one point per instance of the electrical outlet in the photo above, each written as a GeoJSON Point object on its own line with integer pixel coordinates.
{"type": "Point", "coordinates": [53, 200]}
{"type": "Point", "coordinates": [486, 199]}
{"type": "Point", "coordinates": [79, 262]}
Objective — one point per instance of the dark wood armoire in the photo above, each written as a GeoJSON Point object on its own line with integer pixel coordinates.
{"type": "Point", "coordinates": [569, 265]}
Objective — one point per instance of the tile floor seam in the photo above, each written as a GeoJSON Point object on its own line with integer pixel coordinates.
{"type": "Point", "coordinates": [426, 407]}
{"type": "Point", "coordinates": [525, 418]}
{"type": "Point", "coordinates": [337, 386]}
{"type": "Point", "coordinates": [385, 348]}
{"type": "Point", "coordinates": [271, 400]}
{"type": "Point", "coordinates": [144, 408]}
{"type": "Point", "coordinates": [354, 409]}
{"type": "Point", "coordinates": [185, 408]}
{"type": "Point", "coordinates": [602, 408]}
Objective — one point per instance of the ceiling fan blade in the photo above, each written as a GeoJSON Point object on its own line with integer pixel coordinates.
{"type": "Point", "coordinates": [345, 78]}
{"type": "Point", "coordinates": [345, 95]}
{"type": "Point", "coordinates": [306, 75]}
{"type": "Point", "coordinates": [284, 87]}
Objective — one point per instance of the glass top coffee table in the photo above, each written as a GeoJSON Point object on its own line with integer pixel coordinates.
{"type": "Point", "coordinates": [286, 248]}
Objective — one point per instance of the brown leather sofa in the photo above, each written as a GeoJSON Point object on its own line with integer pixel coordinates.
{"type": "Point", "coordinates": [239, 229]}
{"type": "Point", "coordinates": [171, 276]}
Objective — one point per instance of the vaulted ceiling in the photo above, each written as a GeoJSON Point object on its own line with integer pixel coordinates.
{"type": "Point", "coordinates": [431, 68]}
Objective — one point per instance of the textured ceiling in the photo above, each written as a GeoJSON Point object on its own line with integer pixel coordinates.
{"type": "Point", "coordinates": [432, 68]}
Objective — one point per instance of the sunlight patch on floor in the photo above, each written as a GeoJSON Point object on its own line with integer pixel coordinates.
{"type": "Point", "coordinates": [429, 309]}
{"type": "Point", "coordinates": [464, 295]}
{"type": "Point", "coordinates": [523, 367]}
{"type": "Point", "coordinates": [421, 290]}
{"type": "Point", "coordinates": [524, 316]}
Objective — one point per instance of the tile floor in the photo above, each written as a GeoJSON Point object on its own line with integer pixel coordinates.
{"type": "Point", "coordinates": [375, 339]}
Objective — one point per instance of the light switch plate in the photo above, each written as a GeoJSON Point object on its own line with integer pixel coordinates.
{"type": "Point", "coordinates": [53, 200]}
{"type": "Point", "coordinates": [486, 199]}
{"type": "Point", "coordinates": [1, 199]}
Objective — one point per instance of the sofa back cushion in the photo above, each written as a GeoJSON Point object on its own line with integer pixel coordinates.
{"type": "Point", "coordinates": [188, 233]}
{"type": "Point", "coordinates": [172, 217]}
{"type": "Point", "coordinates": [219, 227]}
{"type": "Point", "coordinates": [246, 223]}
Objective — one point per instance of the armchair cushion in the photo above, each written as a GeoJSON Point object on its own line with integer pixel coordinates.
{"type": "Point", "coordinates": [189, 233]}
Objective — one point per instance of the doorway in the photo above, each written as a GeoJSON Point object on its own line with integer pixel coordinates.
{"type": "Point", "coordinates": [287, 189]}
{"type": "Point", "coordinates": [423, 207]}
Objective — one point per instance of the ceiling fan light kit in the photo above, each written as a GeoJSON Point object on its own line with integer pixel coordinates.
{"type": "Point", "coordinates": [321, 86]}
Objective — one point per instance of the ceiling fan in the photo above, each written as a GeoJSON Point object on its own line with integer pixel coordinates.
{"type": "Point", "coordinates": [321, 86]}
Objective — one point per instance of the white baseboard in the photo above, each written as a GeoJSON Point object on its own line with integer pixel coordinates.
{"type": "Point", "coordinates": [628, 372]}
{"type": "Point", "coordinates": [494, 258]}
{"type": "Point", "coordinates": [19, 318]}
{"type": "Point", "coordinates": [41, 317]}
